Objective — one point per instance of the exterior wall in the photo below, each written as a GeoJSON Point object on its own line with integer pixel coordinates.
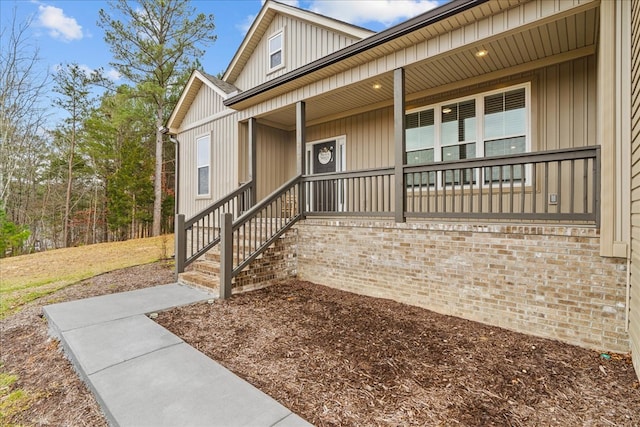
{"type": "Point", "coordinates": [563, 114]}
{"type": "Point", "coordinates": [206, 103]}
{"type": "Point", "coordinates": [303, 43]}
{"type": "Point", "coordinates": [432, 42]}
{"type": "Point", "coordinates": [207, 115]}
{"type": "Point", "coordinates": [276, 153]}
{"type": "Point", "coordinates": [545, 281]}
{"type": "Point", "coordinates": [634, 313]}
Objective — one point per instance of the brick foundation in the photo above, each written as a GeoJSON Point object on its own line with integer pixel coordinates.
{"type": "Point", "coordinates": [548, 281]}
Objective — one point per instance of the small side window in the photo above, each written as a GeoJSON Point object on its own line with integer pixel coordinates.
{"type": "Point", "coordinates": [204, 160]}
{"type": "Point", "coordinates": [276, 55]}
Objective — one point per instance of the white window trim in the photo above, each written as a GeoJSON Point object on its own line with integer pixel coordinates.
{"type": "Point", "coordinates": [281, 33]}
{"type": "Point", "coordinates": [480, 140]}
{"type": "Point", "coordinates": [198, 166]}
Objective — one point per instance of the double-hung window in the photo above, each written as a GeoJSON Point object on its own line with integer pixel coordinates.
{"type": "Point", "coordinates": [276, 56]}
{"type": "Point", "coordinates": [488, 124]}
{"type": "Point", "coordinates": [203, 147]}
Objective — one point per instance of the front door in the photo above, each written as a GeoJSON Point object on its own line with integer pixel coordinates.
{"type": "Point", "coordinates": [325, 157]}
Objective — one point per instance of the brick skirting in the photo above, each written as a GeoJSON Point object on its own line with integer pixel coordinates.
{"type": "Point", "coordinates": [548, 281]}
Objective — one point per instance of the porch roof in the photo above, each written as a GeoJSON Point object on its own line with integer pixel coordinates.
{"type": "Point", "coordinates": [558, 37]}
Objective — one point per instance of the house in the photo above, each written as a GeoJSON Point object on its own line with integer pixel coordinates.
{"type": "Point", "coordinates": [479, 160]}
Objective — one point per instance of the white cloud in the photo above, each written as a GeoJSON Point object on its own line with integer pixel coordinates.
{"type": "Point", "coordinates": [386, 12]}
{"type": "Point", "coordinates": [60, 26]}
{"type": "Point", "coordinates": [113, 75]}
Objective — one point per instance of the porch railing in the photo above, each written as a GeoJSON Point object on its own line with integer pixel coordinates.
{"type": "Point", "coordinates": [200, 233]}
{"type": "Point", "coordinates": [559, 185]}
{"type": "Point", "coordinates": [247, 237]}
{"type": "Point", "coordinates": [551, 186]}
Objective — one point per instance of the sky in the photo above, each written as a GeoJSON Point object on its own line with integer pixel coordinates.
{"type": "Point", "coordinates": [66, 31]}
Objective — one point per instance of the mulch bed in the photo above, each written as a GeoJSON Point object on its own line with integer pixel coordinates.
{"type": "Point", "coordinates": [338, 358]}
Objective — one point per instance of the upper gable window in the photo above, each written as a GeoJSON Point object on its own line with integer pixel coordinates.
{"type": "Point", "coordinates": [276, 54]}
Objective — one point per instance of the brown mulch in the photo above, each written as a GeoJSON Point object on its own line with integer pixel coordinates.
{"type": "Point", "coordinates": [337, 358]}
{"type": "Point", "coordinates": [57, 396]}
{"type": "Point", "coordinates": [341, 359]}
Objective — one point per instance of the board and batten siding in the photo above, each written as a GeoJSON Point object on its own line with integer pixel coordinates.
{"type": "Point", "coordinates": [276, 153]}
{"type": "Point", "coordinates": [634, 313]}
{"type": "Point", "coordinates": [431, 44]}
{"type": "Point", "coordinates": [206, 104]}
{"type": "Point", "coordinates": [207, 116]}
{"type": "Point", "coordinates": [563, 115]}
{"type": "Point", "coordinates": [304, 42]}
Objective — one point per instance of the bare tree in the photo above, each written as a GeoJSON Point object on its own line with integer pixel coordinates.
{"type": "Point", "coordinates": [153, 42]}
{"type": "Point", "coordinates": [23, 84]}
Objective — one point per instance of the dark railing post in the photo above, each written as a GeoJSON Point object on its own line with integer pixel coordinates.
{"type": "Point", "coordinates": [180, 244]}
{"type": "Point", "coordinates": [226, 254]}
{"type": "Point", "coordinates": [301, 138]}
{"type": "Point", "coordinates": [400, 143]}
{"type": "Point", "coordinates": [253, 159]}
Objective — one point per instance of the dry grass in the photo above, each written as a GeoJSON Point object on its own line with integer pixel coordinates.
{"type": "Point", "coordinates": [28, 277]}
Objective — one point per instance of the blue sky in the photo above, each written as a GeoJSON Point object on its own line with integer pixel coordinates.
{"type": "Point", "coordinates": [66, 31]}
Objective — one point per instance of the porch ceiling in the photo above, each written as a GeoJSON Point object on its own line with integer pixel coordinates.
{"type": "Point", "coordinates": [533, 46]}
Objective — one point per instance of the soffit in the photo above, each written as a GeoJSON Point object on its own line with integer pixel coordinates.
{"type": "Point", "coordinates": [535, 46]}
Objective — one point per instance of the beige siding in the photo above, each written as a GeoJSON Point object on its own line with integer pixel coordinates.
{"type": "Point", "coordinates": [563, 115]}
{"type": "Point", "coordinates": [224, 164]}
{"type": "Point", "coordinates": [206, 104]}
{"type": "Point", "coordinates": [369, 138]}
{"type": "Point", "coordinates": [276, 152]}
{"type": "Point", "coordinates": [428, 44]}
{"type": "Point", "coordinates": [303, 43]}
{"type": "Point", "coordinates": [634, 315]}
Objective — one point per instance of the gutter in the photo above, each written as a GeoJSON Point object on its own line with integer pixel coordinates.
{"type": "Point", "coordinates": [414, 24]}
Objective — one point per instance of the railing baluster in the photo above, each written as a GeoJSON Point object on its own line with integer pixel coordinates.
{"type": "Point", "coordinates": [522, 187]}
{"type": "Point", "coordinates": [510, 188]}
{"type": "Point", "coordinates": [559, 186]}
{"type": "Point", "coordinates": [546, 187]}
{"type": "Point", "coordinates": [572, 188]}
{"type": "Point", "coordinates": [585, 186]}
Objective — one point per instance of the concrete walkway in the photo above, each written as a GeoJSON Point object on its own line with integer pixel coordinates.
{"type": "Point", "coordinates": [143, 375]}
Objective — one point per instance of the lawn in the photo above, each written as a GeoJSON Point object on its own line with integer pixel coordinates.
{"type": "Point", "coordinates": [28, 277]}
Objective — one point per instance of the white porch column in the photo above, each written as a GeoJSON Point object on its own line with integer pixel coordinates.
{"type": "Point", "coordinates": [301, 140]}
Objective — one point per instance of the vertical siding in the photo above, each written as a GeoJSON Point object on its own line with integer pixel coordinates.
{"type": "Point", "coordinates": [563, 115]}
{"type": "Point", "coordinates": [276, 153]}
{"type": "Point", "coordinates": [369, 138]}
{"type": "Point", "coordinates": [206, 103]}
{"type": "Point", "coordinates": [303, 43]}
{"type": "Point", "coordinates": [564, 105]}
{"type": "Point", "coordinates": [634, 314]}
{"type": "Point", "coordinates": [224, 163]}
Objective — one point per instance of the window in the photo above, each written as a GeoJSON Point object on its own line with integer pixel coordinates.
{"type": "Point", "coordinates": [276, 56]}
{"type": "Point", "coordinates": [203, 164]}
{"type": "Point", "coordinates": [488, 124]}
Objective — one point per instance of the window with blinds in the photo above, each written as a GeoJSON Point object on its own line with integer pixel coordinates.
{"type": "Point", "coordinates": [488, 124]}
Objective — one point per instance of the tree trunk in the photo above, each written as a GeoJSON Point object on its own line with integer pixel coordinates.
{"type": "Point", "coordinates": [157, 184]}
{"type": "Point", "coordinates": [67, 202]}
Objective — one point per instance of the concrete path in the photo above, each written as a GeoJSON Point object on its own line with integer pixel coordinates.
{"type": "Point", "coordinates": [143, 375]}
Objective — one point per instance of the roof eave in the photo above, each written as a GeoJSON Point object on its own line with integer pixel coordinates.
{"type": "Point", "coordinates": [428, 18]}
